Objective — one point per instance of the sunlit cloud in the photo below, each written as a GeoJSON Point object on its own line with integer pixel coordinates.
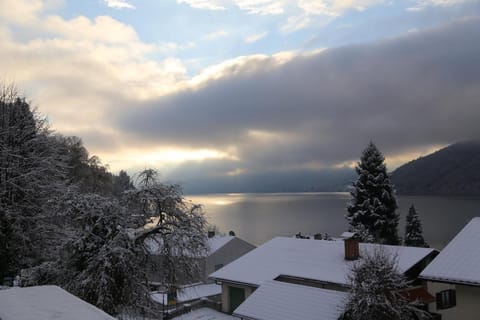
{"type": "Point", "coordinates": [418, 5]}
{"type": "Point", "coordinates": [295, 23]}
{"type": "Point", "coordinates": [256, 37]}
{"type": "Point", "coordinates": [335, 7]}
{"type": "Point", "coordinates": [217, 34]}
{"type": "Point", "coordinates": [240, 65]}
{"type": "Point", "coordinates": [204, 4]}
{"type": "Point", "coordinates": [163, 158]}
{"type": "Point", "coordinates": [401, 157]}
{"type": "Point", "coordinates": [119, 4]}
{"type": "Point", "coordinates": [22, 12]}
{"type": "Point", "coordinates": [262, 7]}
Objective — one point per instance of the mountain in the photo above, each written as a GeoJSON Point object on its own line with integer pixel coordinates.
{"type": "Point", "coordinates": [453, 170]}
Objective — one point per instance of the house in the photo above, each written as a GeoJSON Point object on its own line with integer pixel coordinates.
{"type": "Point", "coordinates": [46, 302]}
{"type": "Point", "coordinates": [454, 276]}
{"type": "Point", "coordinates": [285, 267]}
{"type": "Point", "coordinates": [221, 251]}
{"type": "Point", "coordinates": [286, 301]}
{"type": "Point", "coordinates": [189, 293]}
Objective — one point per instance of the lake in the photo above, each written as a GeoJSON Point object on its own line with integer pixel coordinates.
{"type": "Point", "coordinates": [259, 217]}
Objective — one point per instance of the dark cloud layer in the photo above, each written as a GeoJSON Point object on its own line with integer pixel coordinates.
{"type": "Point", "coordinates": [405, 93]}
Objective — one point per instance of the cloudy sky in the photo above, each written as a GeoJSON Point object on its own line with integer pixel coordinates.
{"type": "Point", "coordinates": [213, 91]}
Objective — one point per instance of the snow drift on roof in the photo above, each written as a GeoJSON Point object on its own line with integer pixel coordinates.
{"type": "Point", "coordinates": [213, 244]}
{"type": "Point", "coordinates": [46, 302]}
{"type": "Point", "coordinates": [205, 314]}
{"type": "Point", "coordinates": [459, 261]}
{"type": "Point", "coordinates": [217, 242]}
{"type": "Point", "coordinates": [276, 300]}
{"type": "Point", "coordinates": [319, 260]}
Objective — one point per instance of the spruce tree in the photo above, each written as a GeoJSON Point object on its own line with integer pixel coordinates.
{"type": "Point", "coordinates": [375, 291]}
{"type": "Point", "coordinates": [413, 230]}
{"type": "Point", "coordinates": [373, 204]}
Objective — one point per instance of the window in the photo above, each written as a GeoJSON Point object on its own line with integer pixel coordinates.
{"type": "Point", "coordinates": [218, 266]}
{"type": "Point", "coordinates": [446, 299]}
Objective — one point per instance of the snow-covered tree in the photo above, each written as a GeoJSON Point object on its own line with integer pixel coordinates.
{"type": "Point", "coordinates": [363, 234]}
{"type": "Point", "coordinates": [414, 230]}
{"type": "Point", "coordinates": [101, 262]}
{"type": "Point", "coordinates": [375, 291]}
{"type": "Point", "coordinates": [32, 168]}
{"type": "Point", "coordinates": [177, 228]}
{"type": "Point", "coordinates": [121, 183]}
{"type": "Point", "coordinates": [85, 171]}
{"type": "Point", "coordinates": [373, 204]}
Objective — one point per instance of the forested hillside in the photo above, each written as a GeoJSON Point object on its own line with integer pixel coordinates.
{"type": "Point", "coordinates": [454, 170]}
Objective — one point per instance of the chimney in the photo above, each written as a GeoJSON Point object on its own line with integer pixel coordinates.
{"type": "Point", "coordinates": [352, 251]}
{"type": "Point", "coordinates": [211, 233]}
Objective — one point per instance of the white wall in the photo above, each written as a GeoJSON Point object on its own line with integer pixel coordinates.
{"type": "Point", "coordinates": [434, 288]}
{"type": "Point", "coordinates": [468, 301]}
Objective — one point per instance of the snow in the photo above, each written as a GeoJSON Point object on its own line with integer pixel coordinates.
{"type": "Point", "coordinates": [213, 244]}
{"type": "Point", "coordinates": [205, 314]}
{"type": "Point", "coordinates": [459, 261]}
{"type": "Point", "coordinates": [190, 293]}
{"type": "Point", "coordinates": [347, 235]}
{"type": "Point", "coordinates": [319, 260]}
{"type": "Point", "coordinates": [276, 300]}
{"type": "Point", "coordinates": [217, 242]}
{"type": "Point", "coordinates": [46, 303]}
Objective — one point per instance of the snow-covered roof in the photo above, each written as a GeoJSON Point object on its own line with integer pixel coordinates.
{"type": "Point", "coordinates": [217, 242]}
{"type": "Point", "coordinates": [275, 300]}
{"type": "Point", "coordinates": [213, 244]}
{"type": "Point", "coordinates": [46, 302]}
{"type": "Point", "coordinates": [205, 314]}
{"type": "Point", "coordinates": [190, 293]}
{"type": "Point", "coordinates": [459, 261]}
{"type": "Point", "coordinates": [319, 260]}
{"type": "Point", "coordinates": [347, 235]}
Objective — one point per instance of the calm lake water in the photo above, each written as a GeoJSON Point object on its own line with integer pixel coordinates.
{"type": "Point", "coordinates": [259, 217]}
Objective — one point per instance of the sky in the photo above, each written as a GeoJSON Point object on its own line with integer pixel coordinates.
{"type": "Point", "coordinates": [213, 92]}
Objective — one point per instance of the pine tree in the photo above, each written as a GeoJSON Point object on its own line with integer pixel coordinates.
{"type": "Point", "coordinates": [373, 204]}
{"type": "Point", "coordinates": [414, 230]}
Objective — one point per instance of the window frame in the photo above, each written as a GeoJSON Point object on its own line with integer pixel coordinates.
{"type": "Point", "coordinates": [446, 299]}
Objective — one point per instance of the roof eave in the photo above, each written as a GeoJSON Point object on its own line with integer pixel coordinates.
{"type": "Point", "coordinates": [244, 317]}
{"type": "Point", "coordinates": [234, 282]}
{"type": "Point", "coordinates": [450, 281]}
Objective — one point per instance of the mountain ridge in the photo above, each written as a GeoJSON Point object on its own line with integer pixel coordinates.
{"type": "Point", "coordinates": [453, 170]}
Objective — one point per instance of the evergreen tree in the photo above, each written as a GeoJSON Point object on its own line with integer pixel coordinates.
{"type": "Point", "coordinates": [414, 230]}
{"type": "Point", "coordinates": [373, 204]}
{"type": "Point", "coordinates": [375, 291]}
{"type": "Point", "coordinates": [86, 172]}
{"type": "Point", "coordinates": [121, 183]}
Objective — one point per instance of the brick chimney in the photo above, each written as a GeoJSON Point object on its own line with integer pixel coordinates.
{"type": "Point", "coordinates": [352, 251]}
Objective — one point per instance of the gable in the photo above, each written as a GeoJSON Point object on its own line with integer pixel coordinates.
{"type": "Point", "coordinates": [459, 261]}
